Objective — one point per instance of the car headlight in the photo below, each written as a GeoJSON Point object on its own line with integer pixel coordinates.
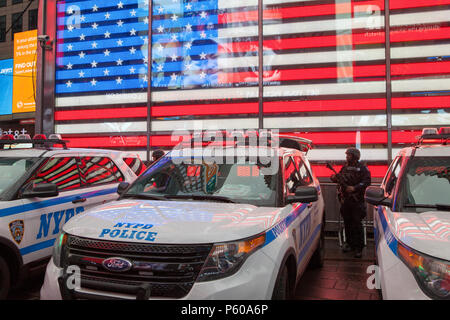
{"type": "Point", "coordinates": [58, 248]}
{"type": "Point", "coordinates": [432, 275]}
{"type": "Point", "coordinates": [226, 258]}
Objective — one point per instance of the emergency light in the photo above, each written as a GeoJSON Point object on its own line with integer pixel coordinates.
{"type": "Point", "coordinates": [38, 139]}
{"type": "Point", "coordinates": [433, 135]}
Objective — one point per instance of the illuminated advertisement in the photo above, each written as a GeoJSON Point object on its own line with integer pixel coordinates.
{"type": "Point", "coordinates": [25, 45]}
{"type": "Point", "coordinates": [323, 66]}
{"type": "Point", "coordinates": [6, 83]}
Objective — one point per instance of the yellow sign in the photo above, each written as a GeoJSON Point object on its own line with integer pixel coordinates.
{"type": "Point", "coordinates": [24, 83]}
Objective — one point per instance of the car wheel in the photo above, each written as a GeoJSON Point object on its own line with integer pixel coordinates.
{"type": "Point", "coordinates": [5, 279]}
{"type": "Point", "coordinates": [318, 256]}
{"type": "Point", "coordinates": [281, 290]}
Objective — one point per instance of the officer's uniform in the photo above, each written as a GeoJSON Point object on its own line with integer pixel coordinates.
{"type": "Point", "coordinates": [353, 208]}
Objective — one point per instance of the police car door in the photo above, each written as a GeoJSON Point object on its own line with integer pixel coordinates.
{"type": "Point", "coordinates": [45, 216]}
{"type": "Point", "coordinates": [296, 176]}
{"type": "Point", "coordinates": [316, 208]}
{"type": "Point", "coordinates": [100, 177]}
{"type": "Point", "coordinates": [82, 182]}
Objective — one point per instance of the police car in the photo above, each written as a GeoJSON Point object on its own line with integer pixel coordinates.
{"type": "Point", "coordinates": [41, 188]}
{"type": "Point", "coordinates": [412, 220]}
{"type": "Point", "coordinates": [195, 226]}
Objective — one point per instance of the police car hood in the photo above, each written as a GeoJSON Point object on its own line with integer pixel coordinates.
{"type": "Point", "coordinates": [173, 221]}
{"type": "Point", "coordinates": [427, 232]}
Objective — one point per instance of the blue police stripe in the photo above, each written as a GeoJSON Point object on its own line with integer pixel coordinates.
{"type": "Point", "coordinates": [53, 202]}
{"type": "Point", "coordinates": [388, 235]}
{"type": "Point", "coordinates": [309, 243]}
{"type": "Point", "coordinates": [37, 246]}
{"type": "Point", "coordinates": [273, 233]}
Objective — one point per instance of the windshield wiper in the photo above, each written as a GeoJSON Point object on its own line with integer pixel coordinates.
{"type": "Point", "coordinates": [438, 206]}
{"type": "Point", "coordinates": [201, 197]}
{"type": "Point", "coordinates": [145, 196]}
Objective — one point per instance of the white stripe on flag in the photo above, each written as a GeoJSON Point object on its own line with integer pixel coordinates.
{"type": "Point", "coordinates": [421, 119]}
{"type": "Point", "coordinates": [101, 99]}
{"type": "Point", "coordinates": [214, 124]}
{"type": "Point", "coordinates": [267, 2]}
{"type": "Point", "coordinates": [159, 96]}
{"type": "Point", "coordinates": [325, 89]}
{"type": "Point", "coordinates": [326, 121]}
{"type": "Point", "coordinates": [338, 154]}
{"type": "Point", "coordinates": [138, 126]}
{"type": "Point", "coordinates": [301, 27]}
{"type": "Point", "coordinates": [421, 85]}
{"type": "Point", "coordinates": [322, 25]}
{"type": "Point", "coordinates": [420, 51]}
{"type": "Point", "coordinates": [205, 94]}
{"type": "Point", "coordinates": [228, 4]}
{"type": "Point", "coordinates": [323, 57]}
{"type": "Point", "coordinates": [237, 62]}
{"type": "Point", "coordinates": [419, 18]}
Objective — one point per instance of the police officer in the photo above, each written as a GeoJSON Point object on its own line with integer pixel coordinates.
{"type": "Point", "coordinates": [353, 179]}
{"type": "Point", "coordinates": [157, 154]}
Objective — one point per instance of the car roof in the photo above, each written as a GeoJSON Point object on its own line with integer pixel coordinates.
{"type": "Point", "coordinates": [248, 149]}
{"type": "Point", "coordinates": [436, 150]}
{"type": "Point", "coordinates": [36, 152]}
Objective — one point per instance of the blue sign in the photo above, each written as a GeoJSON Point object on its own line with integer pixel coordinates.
{"type": "Point", "coordinates": [6, 83]}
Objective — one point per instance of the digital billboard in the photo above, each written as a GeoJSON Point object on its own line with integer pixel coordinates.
{"type": "Point", "coordinates": [25, 45]}
{"type": "Point", "coordinates": [6, 83]}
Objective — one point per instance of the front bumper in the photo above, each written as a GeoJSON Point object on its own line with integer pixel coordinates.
{"type": "Point", "coordinates": [254, 280]}
{"type": "Point", "coordinates": [397, 281]}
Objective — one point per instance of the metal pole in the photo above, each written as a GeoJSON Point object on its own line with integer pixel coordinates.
{"type": "Point", "coordinates": [149, 76]}
{"type": "Point", "coordinates": [260, 65]}
{"type": "Point", "coordinates": [387, 31]}
{"type": "Point", "coordinates": [39, 125]}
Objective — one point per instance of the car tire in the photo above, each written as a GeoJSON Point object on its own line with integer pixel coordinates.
{"type": "Point", "coordinates": [281, 290]}
{"type": "Point", "coordinates": [318, 256]}
{"type": "Point", "coordinates": [5, 279]}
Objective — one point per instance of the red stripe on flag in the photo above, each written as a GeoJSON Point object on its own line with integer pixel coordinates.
{"type": "Point", "coordinates": [402, 4]}
{"type": "Point", "coordinates": [205, 109]}
{"type": "Point", "coordinates": [323, 41]}
{"type": "Point", "coordinates": [376, 171]}
{"type": "Point", "coordinates": [122, 141]}
{"type": "Point", "coordinates": [110, 142]}
{"type": "Point", "coordinates": [299, 12]}
{"type": "Point", "coordinates": [419, 34]}
{"type": "Point", "coordinates": [308, 42]}
{"type": "Point", "coordinates": [405, 136]}
{"type": "Point", "coordinates": [91, 114]}
{"type": "Point", "coordinates": [441, 67]}
{"type": "Point", "coordinates": [325, 105]}
{"type": "Point", "coordinates": [421, 102]}
{"type": "Point", "coordinates": [304, 74]}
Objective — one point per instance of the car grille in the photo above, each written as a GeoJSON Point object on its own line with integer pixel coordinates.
{"type": "Point", "coordinates": [169, 271]}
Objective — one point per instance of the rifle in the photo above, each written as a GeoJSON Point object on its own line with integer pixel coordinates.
{"type": "Point", "coordinates": [342, 183]}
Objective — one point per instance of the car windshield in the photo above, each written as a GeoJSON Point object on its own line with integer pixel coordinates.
{"type": "Point", "coordinates": [427, 184]}
{"type": "Point", "coordinates": [173, 179]}
{"type": "Point", "coordinates": [12, 169]}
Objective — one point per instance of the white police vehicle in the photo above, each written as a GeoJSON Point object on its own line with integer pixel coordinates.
{"type": "Point", "coordinates": [41, 188]}
{"type": "Point", "coordinates": [412, 220]}
{"type": "Point", "coordinates": [197, 228]}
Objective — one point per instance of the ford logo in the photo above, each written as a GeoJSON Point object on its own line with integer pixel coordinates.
{"type": "Point", "coordinates": [117, 264]}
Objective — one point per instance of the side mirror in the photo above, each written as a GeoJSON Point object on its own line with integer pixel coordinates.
{"type": "Point", "coordinates": [43, 190]}
{"type": "Point", "coordinates": [375, 196]}
{"type": "Point", "coordinates": [122, 187]}
{"type": "Point", "coordinates": [303, 194]}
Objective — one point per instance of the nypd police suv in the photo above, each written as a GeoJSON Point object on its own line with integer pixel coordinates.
{"type": "Point", "coordinates": [221, 222]}
{"type": "Point", "coordinates": [412, 221]}
{"type": "Point", "coordinates": [41, 188]}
